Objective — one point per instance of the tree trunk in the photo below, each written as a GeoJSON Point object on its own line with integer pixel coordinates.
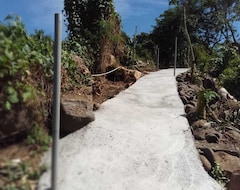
{"type": "Point", "coordinates": [192, 57]}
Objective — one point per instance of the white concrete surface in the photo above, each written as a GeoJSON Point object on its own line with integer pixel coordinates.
{"type": "Point", "coordinates": [140, 140]}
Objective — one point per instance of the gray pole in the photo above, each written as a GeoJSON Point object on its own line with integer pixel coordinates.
{"type": "Point", "coordinates": [134, 43]}
{"type": "Point", "coordinates": [175, 58]}
{"type": "Point", "coordinates": [157, 58]}
{"type": "Point", "coordinates": [56, 98]}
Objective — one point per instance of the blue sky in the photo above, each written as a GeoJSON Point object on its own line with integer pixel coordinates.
{"type": "Point", "coordinates": [39, 14]}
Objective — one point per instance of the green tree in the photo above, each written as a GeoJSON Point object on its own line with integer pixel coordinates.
{"type": "Point", "coordinates": [168, 26]}
{"type": "Point", "coordinates": [95, 25]}
{"type": "Point", "coordinates": [144, 46]}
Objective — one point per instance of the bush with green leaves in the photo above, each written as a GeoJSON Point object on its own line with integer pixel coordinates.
{"type": "Point", "coordinates": [26, 77]}
{"type": "Point", "coordinates": [19, 175]}
{"type": "Point", "coordinates": [95, 25]}
{"type": "Point", "coordinates": [15, 59]}
{"type": "Point", "coordinates": [203, 58]}
{"type": "Point", "coordinates": [23, 57]}
{"type": "Point", "coordinates": [230, 75]}
{"type": "Point", "coordinates": [37, 137]}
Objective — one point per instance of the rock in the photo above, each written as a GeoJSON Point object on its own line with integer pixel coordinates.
{"type": "Point", "coordinates": [199, 124]}
{"type": "Point", "coordinates": [208, 83]}
{"type": "Point", "coordinates": [189, 108]}
{"type": "Point", "coordinates": [228, 163]}
{"type": "Point", "coordinates": [234, 183]}
{"type": "Point", "coordinates": [212, 137]}
{"type": "Point", "coordinates": [123, 74]}
{"type": "Point", "coordinates": [192, 115]}
{"type": "Point", "coordinates": [137, 74]}
{"type": "Point", "coordinates": [131, 75]}
{"type": "Point", "coordinates": [81, 66]}
{"type": "Point", "coordinates": [209, 154]}
{"type": "Point", "coordinates": [112, 60]}
{"type": "Point", "coordinates": [206, 164]}
{"type": "Point", "coordinates": [204, 133]}
{"type": "Point", "coordinates": [184, 99]}
{"type": "Point", "coordinates": [75, 114]}
{"type": "Point", "coordinates": [199, 134]}
{"type": "Point", "coordinates": [225, 95]}
{"type": "Point", "coordinates": [235, 135]}
{"type": "Point", "coordinates": [193, 103]}
{"type": "Point", "coordinates": [96, 106]}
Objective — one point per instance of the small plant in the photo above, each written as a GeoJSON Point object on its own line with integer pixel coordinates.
{"type": "Point", "coordinates": [217, 173]}
{"type": "Point", "coordinates": [38, 137]}
{"type": "Point", "coordinates": [17, 175]}
{"type": "Point", "coordinates": [210, 95]}
{"type": "Point", "coordinates": [204, 98]}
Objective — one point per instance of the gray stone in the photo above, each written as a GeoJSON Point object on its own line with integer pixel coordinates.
{"type": "Point", "coordinates": [75, 114]}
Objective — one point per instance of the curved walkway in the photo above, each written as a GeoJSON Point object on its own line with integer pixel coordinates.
{"type": "Point", "coordinates": [140, 140]}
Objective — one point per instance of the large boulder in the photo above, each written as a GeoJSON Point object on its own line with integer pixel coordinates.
{"type": "Point", "coordinates": [123, 74]}
{"type": "Point", "coordinates": [228, 163]}
{"type": "Point", "coordinates": [76, 112]}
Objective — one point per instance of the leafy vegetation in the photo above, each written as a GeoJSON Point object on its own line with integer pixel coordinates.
{"type": "Point", "coordinates": [26, 76]}
{"type": "Point", "coordinates": [94, 29]}
{"type": "Point", "coordinates": [206, 37]}
{"type": "Point", "coordinates": [38, 138]}
{"type": "Point", "coordinates": [18, 175]}
{"type": "Point", "coordinates": [217, 174]}
{"type": "Point", "coordinates": [207, 26]}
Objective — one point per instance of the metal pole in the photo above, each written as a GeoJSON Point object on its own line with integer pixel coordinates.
{"type": "Point", "coordinates": [134, 43]}
{"type": "Point", "coordinates": [56, 99]}
{"type": "Point", "coordinates": [157, 58]}
{"type": "Point", "coordinates": [175, 58]}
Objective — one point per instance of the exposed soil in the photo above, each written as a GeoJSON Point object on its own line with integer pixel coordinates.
{"type": "Point", "coordinates": [104, 89]}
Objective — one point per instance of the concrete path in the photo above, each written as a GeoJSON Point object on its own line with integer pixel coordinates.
{"type": "Point", "coordinates": [140, 140]}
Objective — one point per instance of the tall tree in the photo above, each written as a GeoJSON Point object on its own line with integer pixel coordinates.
{"type": "Point", "coordinates": [183, 4]}
{"type": "Point", "coordinates": [216, 21]}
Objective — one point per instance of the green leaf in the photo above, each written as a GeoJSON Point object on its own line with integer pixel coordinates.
{"type": "Point", "coordinates": [8, 54]}
{"type": "Point", "coordinates": [13, 98]}
{"type": "Point", "coordinates": [7, 105]}
{"type": "Point", "coordinates": [10, 90]}
{"type": "Point", "coordinates": [27, 95]}
{"type": "Point", "coordinates": [2, 74]}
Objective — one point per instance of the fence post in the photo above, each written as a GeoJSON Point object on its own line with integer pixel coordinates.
{"type": "Point", "coordinates": [56, 98]}
{"type": "Point", "coordinates": [175, 57]}
{"type": "Point", "coordinates": [157, 58]}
